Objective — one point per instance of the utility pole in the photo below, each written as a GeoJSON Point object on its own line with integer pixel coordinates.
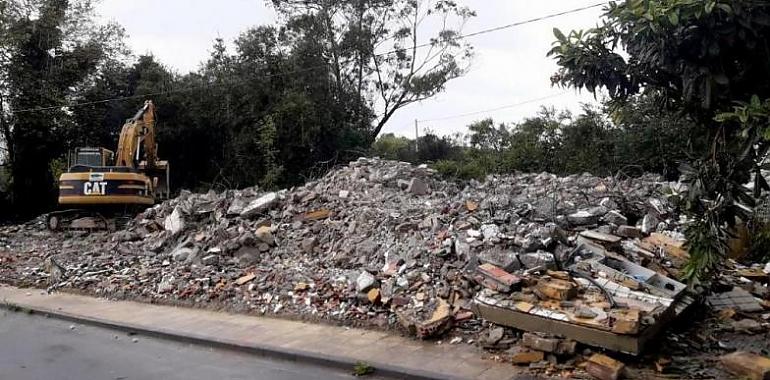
{"type": "Point", "coordinates": [416, 136]}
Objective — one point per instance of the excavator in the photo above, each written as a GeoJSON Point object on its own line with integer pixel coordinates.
{"type": "Point", "coordinates": [102, 189]}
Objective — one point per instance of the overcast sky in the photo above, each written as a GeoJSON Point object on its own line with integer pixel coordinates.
{"type": "Point", "coordinates": [510, 66]}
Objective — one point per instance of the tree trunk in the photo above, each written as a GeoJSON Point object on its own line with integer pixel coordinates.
{"type": "Point", "coordinates": [5, 129]}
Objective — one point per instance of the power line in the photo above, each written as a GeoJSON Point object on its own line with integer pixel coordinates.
{"type": "Point", "coordinates": [503, 27]}
{"type": "Point", "coordinates": [193, 88]}
{"type": "Point", "coordinates": [494, 109]}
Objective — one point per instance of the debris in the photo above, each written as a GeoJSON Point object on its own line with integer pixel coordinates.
{"type": "Point", "coordinates": [747, 325]}
{"type": "Point", "coordinates": [539, 343]}
{"type": "Point", "coordinates": [670, 246]}
{"type": "Point", "coordinates": [602, 237]}
{"type": "Point", "coordinates": [439, 322]}
{"type": "Point", "coordinates": [364, 282]}
{"type": "Point", "coordinates": [324, 250]}
{"type": "Point", "coordinates": [210, 260]}
{"type": "Point", "coordinates": [604, 367]}
{"type": "Point", "coordinates": [373, 295]}
{"type": "Point", "coordinates": [629, 232]}
{"type": "Point", "coordinates": [615, 218]}
{"type": "Point", "coordinates": [583, 217]}
{"type": "Point", "coordinates": [738, 299]}
{"type": "Point", "coordinates": [175, 222]}
{"type": "Point", "coordinates": [522, 355]}
{"type": "Point", "coordinates": [316, 215]}
{"type": "Point", "coordinates": [649, 223]}
{"type": "Point", "coordinates": [495, 335]}
{"type": "Point", "coordinates": [244, 279]}
{"type": "Point", "coordinates": [166, 284]}
{"type": "Point", "coordinates": [308, 244]}
{"type": "Point", "coordinates": [259, 205]}
{"type": "Point", "coordinates": [418, 187]}
{"type": "Point", "coordinates": [504, 259]}
{"type": "Point", "coordinates": [557, 289]}
{"type": "Point", "coordinates": [747, 365]}
{"type": "Point", "coordinates": [539, 259]}
{"type": "Point", "coordinates": [264, 234]}
{"type": "Point", "coordinates": [496, 278]}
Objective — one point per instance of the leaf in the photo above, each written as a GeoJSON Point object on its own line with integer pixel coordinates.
{"type": "Point", "coordinates": [725, 7]}
{"type": "Point", "coordinates": [710, 6]}
{"type": "Point", "coordinates": [559, 35]}
{"type": "Point", "coordinates": [673, 17]}
{"type": "Point", "coordinates": [723, 117]}
{"type": "Point", "coordinates": [755, 102]}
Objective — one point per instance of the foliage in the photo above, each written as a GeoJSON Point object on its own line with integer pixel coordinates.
{"type": "Point", "coordinates": [694, 58]}
{"type": "Point", "coordinates": [391, 147]}
{"type": "Point", "coordinates": [462, 169]}
{"type": "Point", "coordinates": [49, 49]}
{"type": "Point", "coordinates": [640, 139]}
{"type": "Point", "coordinates": [362, 369]}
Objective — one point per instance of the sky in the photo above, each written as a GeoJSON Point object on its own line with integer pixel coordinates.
{"type": "Point", "coordinates": [510, 67]}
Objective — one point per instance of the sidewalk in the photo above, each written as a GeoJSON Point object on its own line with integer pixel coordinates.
{"type": "Point", "coordinates": [390, 355]}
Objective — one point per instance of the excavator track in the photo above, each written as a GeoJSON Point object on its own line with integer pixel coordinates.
{"type": "Point", "coordinates": [77, 219]}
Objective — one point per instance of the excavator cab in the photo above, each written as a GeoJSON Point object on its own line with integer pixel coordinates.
{"type": "Point", "coordinates": [92, 157]}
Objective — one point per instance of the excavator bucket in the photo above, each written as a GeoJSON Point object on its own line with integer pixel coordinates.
{"type": "Point", "coordinates": [160, 175]}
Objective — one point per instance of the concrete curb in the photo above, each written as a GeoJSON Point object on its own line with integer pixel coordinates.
{"type": "Point", "coordinates": [260, 349]}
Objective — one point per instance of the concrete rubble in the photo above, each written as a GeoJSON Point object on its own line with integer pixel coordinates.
{"type": "Point", "coordinates": [389, 245]}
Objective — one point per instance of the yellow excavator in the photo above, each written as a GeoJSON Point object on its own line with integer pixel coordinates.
{"type": "Point", "coordinates": [101, 189]}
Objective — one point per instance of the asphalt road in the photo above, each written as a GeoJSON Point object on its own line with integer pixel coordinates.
{"type": "Point", "coordinates": [34, 347]}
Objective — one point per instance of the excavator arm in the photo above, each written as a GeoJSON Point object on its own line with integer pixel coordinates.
{"type": "Point", "coordinates": [138, 150]}
{"type": "Point", "coordinates": [137, 132]}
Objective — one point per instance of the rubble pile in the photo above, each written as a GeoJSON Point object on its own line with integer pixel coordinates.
{"type": "Point", "coordinates": [388, 244]}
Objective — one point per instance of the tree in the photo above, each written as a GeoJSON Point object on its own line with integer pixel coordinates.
{"type": "Point", "coordinates": [391, 147]}
{"type": "Point", "coordinates": [49, 49]}
{"type": "Point", "coordinates": [485, 136]}
{"type": "Point", "coordinates": [696, 58]}
{"type": "Point", "coordinates": [534, 143]}
{"type": "Point", "coordinates": [356, 36]}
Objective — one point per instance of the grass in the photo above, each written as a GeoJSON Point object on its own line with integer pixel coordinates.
{"type": "Point", "coordinates": [362, 369]}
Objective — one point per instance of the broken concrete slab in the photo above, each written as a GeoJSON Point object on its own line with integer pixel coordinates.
{"type": "Point", "coordinates": [174, 223]}
{"type": "Point", "coordinates": [583, 217]}
{"type": "Point", "coordinates": [629, 232]}
{"type": "Point", "coordinates": [259, 205]}
{"type": "Point", "coordinates": [539, 318]}
{"type": "Point", "coordinates": [600, 237]}
{"type": "Point", "coordinates": [418, 187]}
